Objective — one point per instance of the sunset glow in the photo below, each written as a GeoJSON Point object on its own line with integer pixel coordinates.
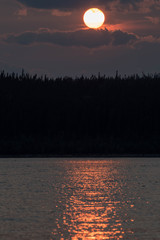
{"type": "Point", "coordinates": [94, 18]}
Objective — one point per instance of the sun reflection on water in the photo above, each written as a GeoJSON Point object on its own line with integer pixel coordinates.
{"type": "Point", "coordinates": [89, 205]}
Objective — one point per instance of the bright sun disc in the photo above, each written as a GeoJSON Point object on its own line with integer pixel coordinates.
{"type": "Point", "coordinates": [94, 18]}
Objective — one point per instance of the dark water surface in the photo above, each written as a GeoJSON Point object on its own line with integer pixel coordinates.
{"type": "Point", "coordinates": [63, 199]}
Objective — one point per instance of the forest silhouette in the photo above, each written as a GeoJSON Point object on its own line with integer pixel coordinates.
{"type": "Point", "coordinates": [84, 116]}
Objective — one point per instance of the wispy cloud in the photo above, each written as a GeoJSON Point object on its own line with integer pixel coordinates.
{"type": "Point", "coordinates": [58, 13]}
{"type": "Point", "coordinates": [22, 12]}
{"type": "Point", "coordinates": [154, 20]}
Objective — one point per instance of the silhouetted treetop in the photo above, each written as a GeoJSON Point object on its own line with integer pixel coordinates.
{"type": "Point", "coordinates": [100, 113]}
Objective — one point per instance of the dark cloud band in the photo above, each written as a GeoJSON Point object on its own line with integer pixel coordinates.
{"type": "Point", "coordinates": [70, 4]}
{"type": "Point", "coordinates": [85, 38]}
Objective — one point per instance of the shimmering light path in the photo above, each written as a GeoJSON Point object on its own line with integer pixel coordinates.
{"type": "Point", "coordinates": [63, 199]}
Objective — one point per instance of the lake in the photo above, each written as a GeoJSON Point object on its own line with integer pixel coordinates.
{"type": "Point", "coordinates": [81, 198]}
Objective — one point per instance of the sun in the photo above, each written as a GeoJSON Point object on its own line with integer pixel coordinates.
{"type": "Point", "coordinates": [94, 18]}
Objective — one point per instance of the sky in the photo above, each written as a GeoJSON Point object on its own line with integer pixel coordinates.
{"type": "Point", "coordinates": [49, 37]}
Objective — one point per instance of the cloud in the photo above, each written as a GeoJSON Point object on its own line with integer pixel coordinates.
{"type": "Point", "coordinates": [122, 38]}
{"type": "Point", "coordinates": [154, 20]}
{"type": "Point", "coordinates": [58, 13]}
{"type": "Point", "coordinates": [22, 12]}
{"type": "Point", "coordinates": [55, 4]}
{"type": "Point", "coordinates": [86, 38]}
{"type": "Point", "coordinates": [150, 39]}
{"type": "Point", "coordinates": [72, 4]}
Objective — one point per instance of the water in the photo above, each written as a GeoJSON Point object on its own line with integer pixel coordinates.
{"type": "Point", "coordinates": [73, 199]}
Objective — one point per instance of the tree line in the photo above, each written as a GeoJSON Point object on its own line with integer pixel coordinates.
{"type": "Point", "coordinates": [95, 115]}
